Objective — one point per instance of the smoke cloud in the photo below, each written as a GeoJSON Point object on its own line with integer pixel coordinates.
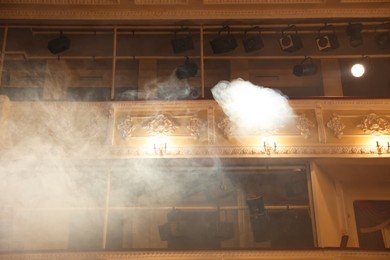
{"type": "Point", "coordinates": [252, 109]}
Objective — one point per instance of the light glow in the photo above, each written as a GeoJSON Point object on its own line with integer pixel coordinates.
{"type": "Point", "coordinates": [357, 70]}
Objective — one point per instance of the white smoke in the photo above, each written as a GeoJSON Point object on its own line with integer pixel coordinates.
{"type": "Point", "coordinates": [252, 109]}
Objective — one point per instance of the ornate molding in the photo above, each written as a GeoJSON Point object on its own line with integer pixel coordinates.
{"type": "Point", "coordinates": [160, 125]}
{"type": "Point", "coordinates": [62, 2]}
{"type": "Point", "coordinates": [248, 13]}
{"type": "Point", "coordinates": [237, 2]}
{"type": "Point", "coordinates": [291, 151]}
{"type": "Point", "coordinates": [209, 254]}
{"type": "Point", "coordinates": [374, 124]}
{"type": "Point", "coordinates": [126, 127]}
{"type": "Point", "coordinates": [336, 125]}
{"type": "Point", "coordinates": [305, 126]}
{"type": "Point", "coordinates": [161, 2]}
{"type": "Point", "coordinates": [364, 1]}
{"type": "Point", "coordinates": [195, 125]}
{"type": "Point", "coordinates": [227, 127]}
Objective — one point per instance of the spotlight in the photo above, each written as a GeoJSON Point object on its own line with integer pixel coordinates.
{"type": "Point", "coordinates": [326, 42]}
{"type": "Point", "coordinates": [290, 42]}
{"type": "Point", "coordinates": [186, 70]}
{"type": "Point", "coordinates": [223, 42]}
{"type": "Point", "coordinates": [59, 44]}
{"type": "Point", "coordinates": [259, 219]}
{"type": "Point", "coordinates": [184, 43]}
{"type": "Point", "coordinates": [253, 43]}
{"type": "Point", "coordinates": [305, 69]}
{"type": "Point", "coordinates": [354, 31]}
{"type": "Point", "coordinates": [383, 39]}
{"type": "Point", "coordinates": [360, 68]}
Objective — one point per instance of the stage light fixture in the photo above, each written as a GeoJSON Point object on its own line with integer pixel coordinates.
{"type": "Point", "coordinates": [58, 45]}
{"type": "Point", "coordinates": [383, 39]}
{"type": "Point", "coordinates": [290, 42]}
{"type": "Point", "coordinates": [305, 69]}
{"type": "Point", "coordinates": [328, 41]}
{"type": "Point", "coordinates": [360, 68]}
{"type": "Point", "coordinates": [186, 70]}
{"type": "Point", "coordinates": [253, 43]}
{"type": "Point", "coordinates": [259, 219]}
{"type": "Point", "coordinates": [183, 43]}
{"type": "Point", "coordinates": [224, 42]}
{"type": "Point", "coordinates": [354, 31]}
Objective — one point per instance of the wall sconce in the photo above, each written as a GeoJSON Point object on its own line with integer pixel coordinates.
{"type": "Point", "coordinates": [326, 42]}
{"type": "Point", "coordinates": [290, 42]}
{"type": "Point", "coordinates": [382, 147]}
{"type": "Point", "coordinates": [160, 148]}
{"type": "Point", "coordinates": [269, 148]}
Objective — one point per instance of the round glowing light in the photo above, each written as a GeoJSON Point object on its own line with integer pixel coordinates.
{"type": "Point", "coordinates": [357, 70]}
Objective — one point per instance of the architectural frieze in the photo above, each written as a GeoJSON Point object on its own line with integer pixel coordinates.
{"type": "Point", "coordinates": [220, 254]}
{"type": "Point", "coordinates": [196, 13]}
{"type": "Point", "coordinates": [195, 128]}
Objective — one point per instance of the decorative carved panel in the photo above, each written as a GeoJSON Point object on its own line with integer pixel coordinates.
{"type": "Point", "coordinates": [305, 126]}
{"type": "Point", "coordinates": [336, 125]}
{"type": "Point", "coordinates": [160, 125]}
{"type": "Point", "coordinates": [374, 124]}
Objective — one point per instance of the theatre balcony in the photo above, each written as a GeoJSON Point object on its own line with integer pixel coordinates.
{"type": "Point", "coordinates": [184, 129]}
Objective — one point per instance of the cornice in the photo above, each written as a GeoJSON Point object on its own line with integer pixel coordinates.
{"type": "Point", "coordinates": [161, 2]}
{"type": "Point", "coordinates": [237, 2]}
{"type": "Point", "coordinates": [62, 2]}
{"type": "Point", "coordinates": [192, 13]}
{"type": "Point", "coordinates": [221, 254]}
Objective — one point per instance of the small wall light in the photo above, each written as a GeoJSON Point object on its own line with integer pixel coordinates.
{"type": "Point", "coordinates": [305, 69]}
{"type": "Point", "coordinates": [290, 42]}
{"type": "Point", "coordinates": [269, 148]}
{"type": "Point", "coordinates": [160, 148]}
{"type": "Point", "coordinates": [329, 41]}
{"type": "Point", "coordinates": [382, 146]}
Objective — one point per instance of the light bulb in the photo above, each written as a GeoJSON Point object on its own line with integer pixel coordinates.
{"type": "Point", "coordinates": [357, 70]}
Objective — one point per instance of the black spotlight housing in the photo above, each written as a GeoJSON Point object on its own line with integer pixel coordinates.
{"type": "Point", "coordinates": [182, 43]}
{"type": "Point", "coordinates": [305, 69]}
{"type": "Point", "coordinates": [186, 70]}
{"type": "Point", "coordinates": [259, 219]}
{"type": "Point", "coordinates": [253, 43]}
{"type": "Point", "coordinates": [383, 39]}
{"type": "Point", "coordinates": [290, 42]}
{"type": "Point", "coordinates": [329, 41]}
{"type": "Point", "coordinates": [223, 42]}
{"type": "Point", "coordinates": [58, 45]}
{"type": "Point", "coordinates": [354, 31]}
